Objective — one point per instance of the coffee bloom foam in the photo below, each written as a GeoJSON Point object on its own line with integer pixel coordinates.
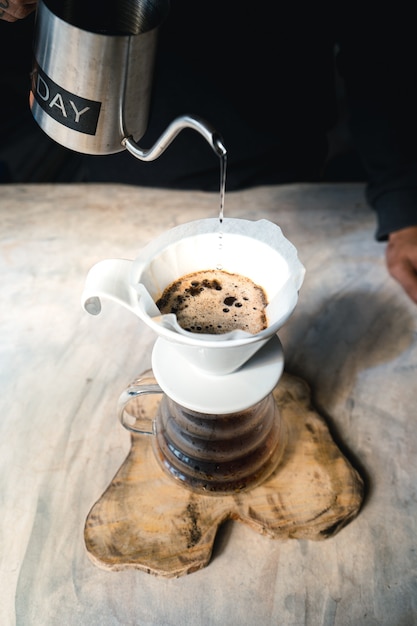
{"type": "Point", "coordinates": [215, 302]}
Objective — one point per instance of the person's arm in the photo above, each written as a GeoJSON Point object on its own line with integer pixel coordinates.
{"type": "Point", "coordinates": [396, 210]}
{"type": "Point", "coordinates": [377, 61]}
{"type": "Point", "coordinates": [13, 10]}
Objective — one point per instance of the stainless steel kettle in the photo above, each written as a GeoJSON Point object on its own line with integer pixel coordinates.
{"type": "Point", "coordinates": [92, 76]}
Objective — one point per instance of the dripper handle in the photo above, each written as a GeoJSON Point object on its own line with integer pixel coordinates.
{"type": "Point", "coordinates": [109, 279]}
{"type": "Point", "coordinates": [185, 121]}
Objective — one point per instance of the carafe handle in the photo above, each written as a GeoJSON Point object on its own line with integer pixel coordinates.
{"type": "Point", "coordinates": [137, 417]}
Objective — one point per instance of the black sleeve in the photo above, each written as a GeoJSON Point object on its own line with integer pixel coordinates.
{"type": "Point", "coordinates": [378, 61]}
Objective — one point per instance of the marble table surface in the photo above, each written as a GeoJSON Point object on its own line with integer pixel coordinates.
{"type": "Point", "coordinates": [352, 337]}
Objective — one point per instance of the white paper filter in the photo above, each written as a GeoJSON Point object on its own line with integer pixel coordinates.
{"type": "Point", "coordinates": [257, 250]}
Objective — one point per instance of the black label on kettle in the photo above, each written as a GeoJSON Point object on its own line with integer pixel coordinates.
{"type": "Point", "coordinates": [63, 106]}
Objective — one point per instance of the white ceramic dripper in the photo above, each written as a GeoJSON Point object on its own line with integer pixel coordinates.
{"type": "Point", "coordinates": [209, 373]}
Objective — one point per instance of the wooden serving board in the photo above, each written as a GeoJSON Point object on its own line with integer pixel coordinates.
{"type": "Point", "coordinates": [148, 521]}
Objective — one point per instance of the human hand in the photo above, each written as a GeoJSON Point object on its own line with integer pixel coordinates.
{"type": "Point", "coordinates": [13, 10]}
{"type": "Point", "coordinates": [401, 258]}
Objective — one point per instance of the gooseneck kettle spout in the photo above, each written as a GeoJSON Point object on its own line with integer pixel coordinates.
{"type": "Point", "coordinates": [184, 121]}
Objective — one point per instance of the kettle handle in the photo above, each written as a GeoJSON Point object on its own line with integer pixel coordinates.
{"type": "Point", "coordinates": [184, 121]}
